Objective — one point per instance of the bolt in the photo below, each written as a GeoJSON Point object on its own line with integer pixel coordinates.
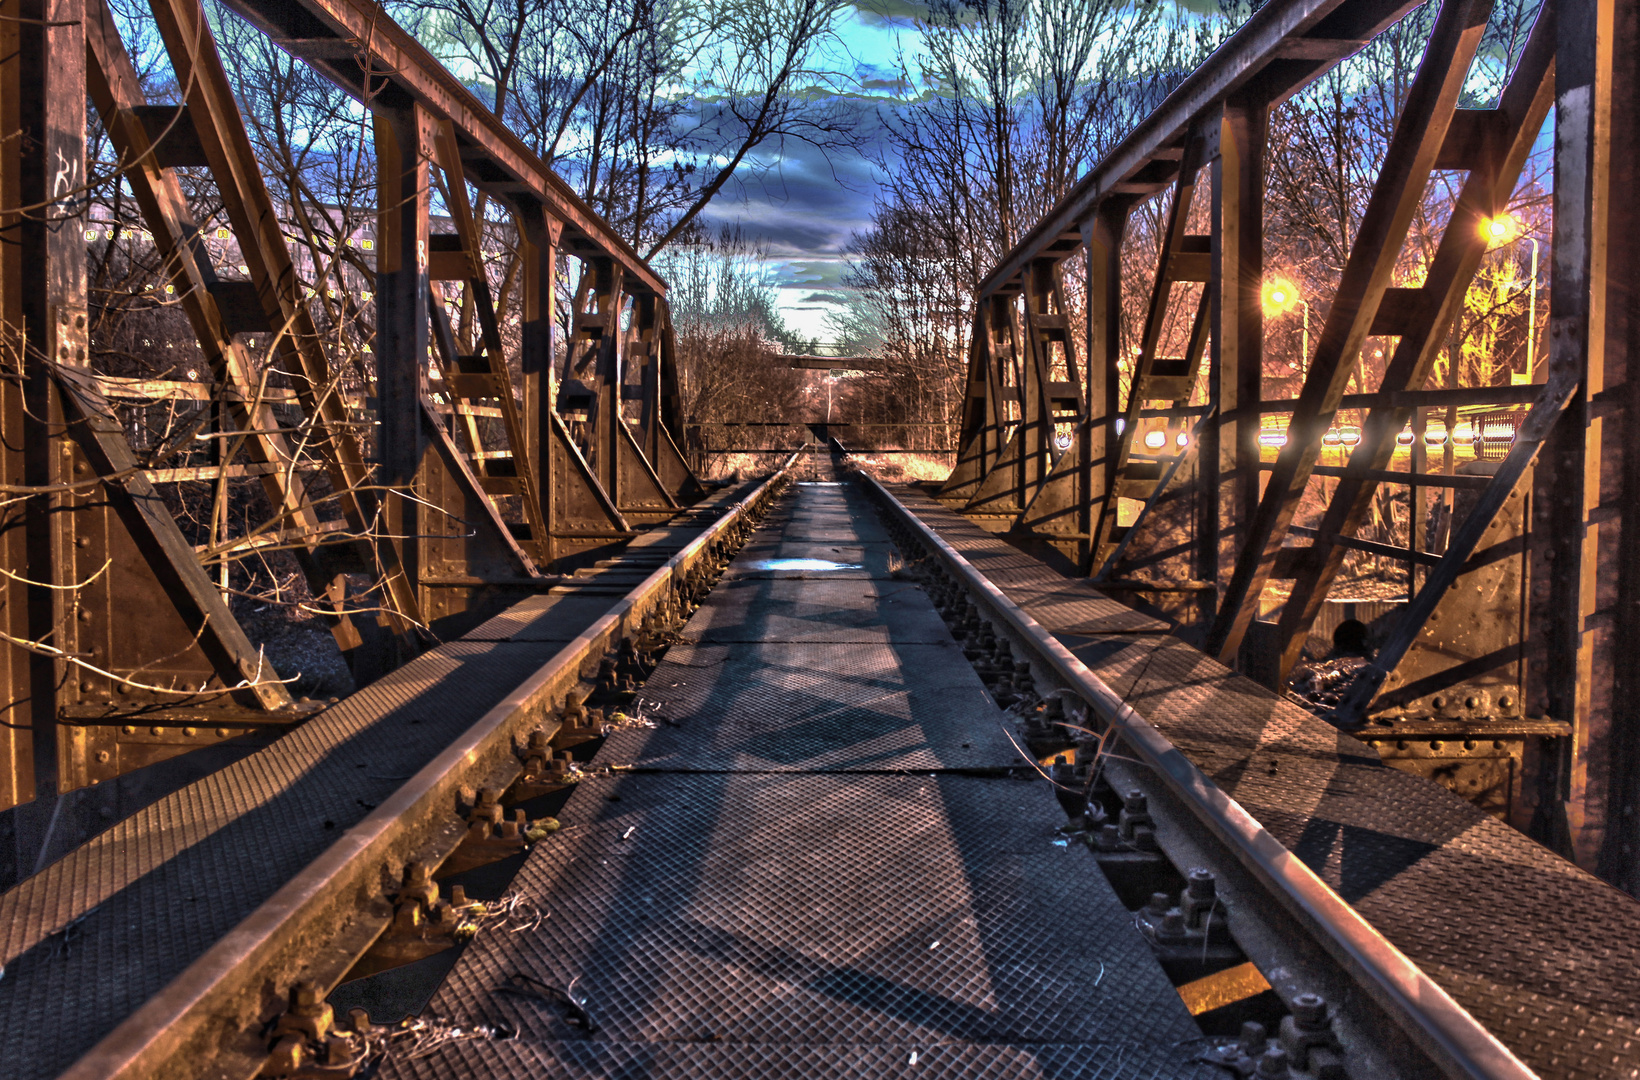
{"type": "Point", "coordinates": [1144, 838]}
{"type": "Point", "coordinates": [154, 730]}
{"type": "Point", "coordinates": [1202, 884]}
{"type": "Point", "coordinates": [1310, 1011]}
{"type": "Point", "coordinates": [130, 729]}
{"type": "Point", "coordinates": [222, 733]}
{"type": "Point", "coordinates": [1272, 1065]}
{"type": "Point", "coordinates": [1135, 802]}
{"type": "Point", "coordinates": [190, 732]}
{"type": "Point", "coordinates": [305, 998]}
{"type": "Point", "coordinates": [1158, 904]}
{"type": "Point", "coordinates": [102, 756]}
{"type": "Point", "coordinates": [1253, 1039]}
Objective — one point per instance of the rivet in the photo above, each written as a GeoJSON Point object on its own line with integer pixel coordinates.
{"type": "Point", "coordinates": [222, 733]}
{"type": "Point", "coordinates": [130, 729]}
{"type": "Point", "coordinates": [153, 731]}
{"type": "Point", "coordinates": [102, 756]}
{"type": "Point", "coordinates": [190, 732]}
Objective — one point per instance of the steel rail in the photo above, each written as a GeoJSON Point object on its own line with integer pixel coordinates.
{"type": "Point", "coordinates": [1284, 46]}
{"type": "Point", "coordinates": [1446, 1031]}
{"type": "Point", "coordinates": [224, 993]}
{"type": "Point", "coordinates": [340, 38]}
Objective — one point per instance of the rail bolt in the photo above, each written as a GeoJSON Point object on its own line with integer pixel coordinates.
{"type": "Point", "coordinates": [1272, 1064]}
{"type": "Point", "coordinates": [309, 1014]}
{"type": "Point", "coordinates": [1254, 1040]}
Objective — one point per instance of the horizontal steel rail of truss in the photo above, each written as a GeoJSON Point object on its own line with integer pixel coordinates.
{"type": "Point", "coordinates": [1442, 1027]}
{"type": "Point", "coordinates": [1283, 47]}
{"type": "Point", "coordinates": [338, 38]}
{"type": "Point", "coordinates": [178, 1031]}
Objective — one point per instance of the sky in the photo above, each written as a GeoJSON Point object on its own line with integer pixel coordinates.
{"type": "Point", "coordinates": [803, 207]}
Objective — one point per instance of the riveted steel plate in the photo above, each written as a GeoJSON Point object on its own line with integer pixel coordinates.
{"type": "Point", "coordinates": [1521, 938]}
{"type": "Point", "coordinates": [817, 611]}
{"type": "Point", "coordinates": [805, 707]}
{"type": "Point", "coordinates": [745, 924]}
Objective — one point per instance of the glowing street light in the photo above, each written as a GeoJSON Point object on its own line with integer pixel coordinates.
{"type": "Point", "coordinates": [1156, 439]}
{"type": "Point", "coordinates": [1280, 297]}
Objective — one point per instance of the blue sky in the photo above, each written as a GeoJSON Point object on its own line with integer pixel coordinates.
{"type": "Point", "coordinates": [804, 206]}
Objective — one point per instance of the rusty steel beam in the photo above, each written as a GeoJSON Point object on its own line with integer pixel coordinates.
{"type": "Point", "coordinates": [1286, 45]}
{"type": "Point", "coordinates": [346, 39]}
{"type": "Point", "coordinates": [1414, 149]}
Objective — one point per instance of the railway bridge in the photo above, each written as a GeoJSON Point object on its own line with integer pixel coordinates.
{"type": "Point", "coordinates": [814, 772]}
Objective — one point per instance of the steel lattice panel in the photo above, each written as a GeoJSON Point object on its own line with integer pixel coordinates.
{"type": "Point", "coordinates": [808, 707]}
{"type": "Point", "coordinates": [758, 922]}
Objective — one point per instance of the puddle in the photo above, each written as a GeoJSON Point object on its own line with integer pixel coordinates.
{"type": "Point", "coordinates": [802, 564]}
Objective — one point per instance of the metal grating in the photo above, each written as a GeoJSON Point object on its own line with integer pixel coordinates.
{"type": "Point", "coordinates": [821, 910]}
{"type": "Point", "coordinates": [808, 707]}
{"type": "Point", "coordinates": [773, 894]}
{"type": "Point", "coordinates": [817, 611]}
{"type": "Point", "coordinates": [1520, 937]}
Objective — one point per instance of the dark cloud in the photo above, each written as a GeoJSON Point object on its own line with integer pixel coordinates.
{"type": "Point", "coordinates": [824, 298]}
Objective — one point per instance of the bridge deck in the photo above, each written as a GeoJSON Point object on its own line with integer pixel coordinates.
{"type": "Point", "coordinates": [818, 863]}
{"type": "Point", "coordinates": [91, 937]}
{"type": "Point", "coordinates": [1527, 942]}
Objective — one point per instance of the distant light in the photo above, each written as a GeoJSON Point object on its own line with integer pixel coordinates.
{"type": "Point", "coordinates": [91, 234]}
{"type": "Point", "coordinates": [1435, 436]}
{"type": "Point", "coordinates": [1272, 438]}
{"type": "Point", "coordinates": [1155, 440]}
{"type": "Point", "coordinates": [1331, 438]}
{"type": "Point", "coordinates": [223, 234]}
{"type": "Point", "coordinates": [1120, 425]}
{"type": "Point", "coordinates": [1062, 439]}
{"type": "Point", "coordinates": [1350, 436]}
{"type": "Point", "coordinates": [1463, 435]}
{"type": "Point", "coordinates": [1405, 438]}
{"type": "Point", "coordinates": [1183, 439]}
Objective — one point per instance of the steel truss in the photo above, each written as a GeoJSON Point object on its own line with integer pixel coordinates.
{"type": "Point", "coordinates": [472, 492]}
{"type": "Point", "coordinates": [1519, 636]}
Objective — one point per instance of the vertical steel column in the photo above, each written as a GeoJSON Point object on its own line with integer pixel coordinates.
{"type": "Point", "coordinates": [1574, 579]}
{"type": "Point", "coordinates": [404, 151]}
{"type": "Point", "coordinates": [1620, 853]}
{"type": "Point", "coordinates": [539, 241]}
{"type": "Point", "coordinates": [1102, 234]}
{"type": "Point", "coordinates": [45, 310]}
{"type": "Point", "coordinates": [1235, 374]}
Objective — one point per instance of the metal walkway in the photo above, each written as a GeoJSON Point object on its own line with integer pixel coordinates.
{"type": "Point", "coordinates": [1542, 953]}
{"type": "Point", "coordinates": [92, 937]}
{"type": "Point", "coordinates": [817, 862]}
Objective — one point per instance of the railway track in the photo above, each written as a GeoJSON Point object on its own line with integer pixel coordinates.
{"type": "Point", "coordinates": [800, 823]}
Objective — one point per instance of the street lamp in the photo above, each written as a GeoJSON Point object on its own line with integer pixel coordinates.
{"type": "Point", "coordinates": [1506, 228]}
{"type": "Point", "coordinates": [1280, 297]}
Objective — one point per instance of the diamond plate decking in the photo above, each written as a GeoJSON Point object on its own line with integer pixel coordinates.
{"type": "Point", "coordinates": [1523, 939]}
{"type": "Point", "coordinates": [805, 877]}
{"type": "Point", "coordinates": [87, 940]}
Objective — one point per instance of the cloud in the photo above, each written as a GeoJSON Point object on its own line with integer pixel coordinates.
{"type": "Point", "coordinates": [824, 298]}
